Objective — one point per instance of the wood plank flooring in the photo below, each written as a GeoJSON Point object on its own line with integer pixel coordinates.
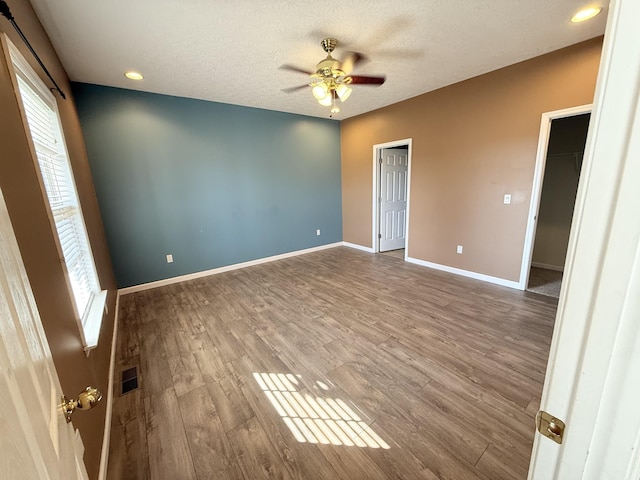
{"type": "Point", "coordinates": [333, 365]}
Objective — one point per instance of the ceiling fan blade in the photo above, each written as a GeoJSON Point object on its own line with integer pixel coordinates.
{"type": "Point", "coordinates": [365, 80]}
{"type": "Point", "coordinates": [293, 68]}
{"type": "Point", "coordinates": [351, 61]}
{"type": "Point", "coordinates": [295, 89]}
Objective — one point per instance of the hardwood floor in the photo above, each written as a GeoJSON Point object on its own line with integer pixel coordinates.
{"type": "Point", "coordinates": [333, 365]}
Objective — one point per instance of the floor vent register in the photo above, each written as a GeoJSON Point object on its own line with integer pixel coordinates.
{"type": "Point", "coordinates": [129, 380]}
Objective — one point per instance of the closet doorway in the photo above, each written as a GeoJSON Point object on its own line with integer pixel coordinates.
{"type": "Point", "coordinates": [558, 180]}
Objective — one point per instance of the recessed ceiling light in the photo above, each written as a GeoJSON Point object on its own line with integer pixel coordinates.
{"type": "Point", "coordinates": [586, 14]}
{"type": "Point", "coordinates": [134, 75]}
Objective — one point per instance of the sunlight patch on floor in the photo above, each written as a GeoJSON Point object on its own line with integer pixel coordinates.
{"type": "Point", "coordinates": [316, 419]}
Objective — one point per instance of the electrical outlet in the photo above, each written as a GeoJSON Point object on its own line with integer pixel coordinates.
{"type": "Point", "coordinates": [169, 258]}
{"type": "Point", "coordinates": [318, 232]}
{"type": "Point", "coordinates": [459, 249]}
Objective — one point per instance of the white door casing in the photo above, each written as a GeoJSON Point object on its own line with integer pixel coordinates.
{"type": "Point", "coordinates": [394, 165]}
{"type": "Point", "coordinates": [35, 440]}
{"type": "Point", "coordinates": [538, 179]}
{"type": "Point", "coordinates": [594, 363]}
{"type": "Point", "coordinates": [407, 145]}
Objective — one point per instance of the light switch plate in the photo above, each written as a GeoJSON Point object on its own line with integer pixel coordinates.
{"type": "Point", "coordinates": [169, 258]}
{"type": "Point", "coordinates": [507, 199]}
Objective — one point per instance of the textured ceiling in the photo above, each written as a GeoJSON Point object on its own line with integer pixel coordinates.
{"type": "Point", "coordinates": [229, 50]}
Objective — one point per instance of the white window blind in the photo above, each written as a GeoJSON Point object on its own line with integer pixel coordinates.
{"type": "Point", "coordinates": [57, 177]}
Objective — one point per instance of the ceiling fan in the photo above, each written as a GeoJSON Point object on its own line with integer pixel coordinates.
{"type": "Point", "coordinates": [331, 79]}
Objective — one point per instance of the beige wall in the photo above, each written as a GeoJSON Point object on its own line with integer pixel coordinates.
{"type": "Point", "coordinates": [473, 142]}
{"type": "Point", "coordinates": [559, 190]}
{"type": "Point", "coordinates": [28, 211]}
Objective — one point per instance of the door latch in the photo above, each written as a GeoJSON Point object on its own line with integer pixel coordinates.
{"type": "Point", "coordinates": [550, 426]}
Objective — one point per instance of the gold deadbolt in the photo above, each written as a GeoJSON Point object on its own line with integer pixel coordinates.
{"type": "Point", "coordinates": [550, 426]}
{"type": "Point", "coordinates": [86, 400]}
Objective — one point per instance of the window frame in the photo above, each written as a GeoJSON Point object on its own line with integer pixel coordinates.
{"type": "Point", "coordinates": [90, 320]}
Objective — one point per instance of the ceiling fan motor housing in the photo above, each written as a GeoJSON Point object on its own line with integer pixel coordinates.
{"type": "Point", "coordinates": [329, 67]}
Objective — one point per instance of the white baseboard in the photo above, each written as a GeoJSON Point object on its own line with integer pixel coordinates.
{"type": "Point", "coordinates": [466, 273]}
{"type": "Point", "coordinates": [236, 266]}
{"type": "Point", "coordinates": [215, 271]}
{"type": "Point", "coordinates": [358, 247]}
{"type": "Point", "coordinates": [546, 266]}
{"type": "Point", "coordinates": [104, 456]}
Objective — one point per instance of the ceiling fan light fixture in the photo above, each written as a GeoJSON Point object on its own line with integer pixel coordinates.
{"type": "Point", "coordinates": [343, 92]}
{"type": "Point", "coordinates": [331, 80]}
{"type": "Point", "coordinates": [586, 14]}
{"type": "Point", "coordinates": [320, 90]}
{"type": "Point", "coordinates": [326, 101]}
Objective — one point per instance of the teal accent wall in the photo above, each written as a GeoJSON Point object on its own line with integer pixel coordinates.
{"type": "Point", "coordinates": [212, 184]}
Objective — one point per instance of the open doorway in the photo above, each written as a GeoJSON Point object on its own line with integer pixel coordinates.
{"type": "Point", "coordinates": [560, 174]}
{"type": "Point", "coordinates": [391, 171]}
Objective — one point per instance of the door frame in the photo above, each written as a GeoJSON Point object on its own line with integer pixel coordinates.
{"type": "Point", "coordinates": [375, 210]}
{"type": "Point", "coordinates": [538, 179]}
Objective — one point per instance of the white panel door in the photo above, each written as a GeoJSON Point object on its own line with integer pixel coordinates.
{"type": "Point", "coordinates": [393, 198]}
{"type": "Point", "coordinates": [35, 440]}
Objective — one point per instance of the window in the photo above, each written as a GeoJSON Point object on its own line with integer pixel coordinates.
{"type": "Point", "coordinates": [40, 110]}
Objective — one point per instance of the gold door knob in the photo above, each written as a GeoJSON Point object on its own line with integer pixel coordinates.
{"type": "Point", "coordinates": [86, 400]}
